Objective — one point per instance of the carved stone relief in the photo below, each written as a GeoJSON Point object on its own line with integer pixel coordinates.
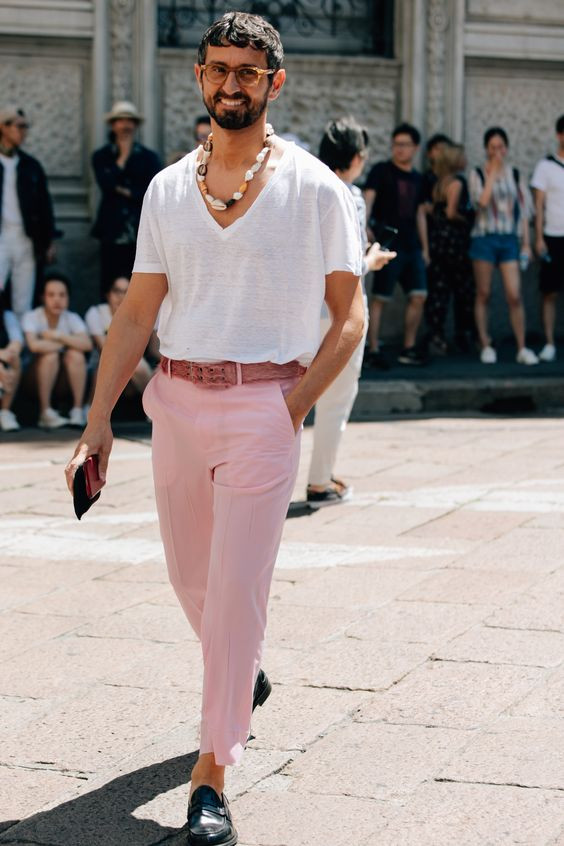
{"type": "Point", "coordinates": [307, 102]}
{"type": "Point", "coordinates": [437, 27]}
{"type": "Point", "coordinates": [122, 12]}
{"type": "Point", "coordinates": [526, 107]}
{"type": "Point", "coordinates": [52, 96]}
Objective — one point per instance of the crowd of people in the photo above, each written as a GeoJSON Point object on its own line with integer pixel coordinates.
{"type": "Point", "coordinates": [448, 231]}
{"type": "Point", "coordinates": [452, 231]}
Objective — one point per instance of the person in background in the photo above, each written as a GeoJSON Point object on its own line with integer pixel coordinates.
{"type": "Point", "coordinates": [343, 149]}
{"type": "Point", "coordinates": [202, 128]}
{"type": "Point", "coordinates": [11, 345]}
{"type": "Point", "coordinates": [27, 223]}
{"type": "Point", "coordinates": [499, 238]}
{"type": "Point", "coordinates": [548, 184]}
{"type": "Point", "coordinates": [59, 341]}
{"type": "Point", "coordinates": [450, 271]}
{"type": "Point", "coordinates": [98, 319]}
{"type": "Point", "coordinates": [394, 198]}
{"type": "Point", "coordinates": [123, 170]}
{"type": "Point", "coordinates": [433, 148]}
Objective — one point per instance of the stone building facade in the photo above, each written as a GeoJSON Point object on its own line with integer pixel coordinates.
{"type": "Point", "coordinates": [451, 65]}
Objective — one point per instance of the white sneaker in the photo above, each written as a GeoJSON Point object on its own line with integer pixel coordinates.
{"type": "Point", "coordinates": [548, 353]}
{"type": "Point", "coordinates": [488, 355]}
{"type": "Point", "coordinates": [76, 417]}
{"type": "Point", "coordinates": [51, 419]}
{"type": "Point", "coordinates": [526, 356]}
{"type": "Point", "coordinates": [8, 421]}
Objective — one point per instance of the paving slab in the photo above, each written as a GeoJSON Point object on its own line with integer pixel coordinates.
{"type": "Point", "coordinates": [476, 815]}
{"type": "Point", "coordinates": [524, 751]}
{"type": "Point", "coordinates": [505, 646]}
{"type": "Point", "coordinates": [453, 694]}
{"type": "Point", "coordinates": [414, 642]}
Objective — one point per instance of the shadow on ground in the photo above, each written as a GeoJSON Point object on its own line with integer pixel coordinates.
{"type": "Point", "coordinates": [104, 817]}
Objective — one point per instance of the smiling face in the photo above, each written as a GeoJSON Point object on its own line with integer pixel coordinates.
{"type": "Point", "coordinates": [55, 297]}
{"type": "Point", "coordinates": [231, 105]}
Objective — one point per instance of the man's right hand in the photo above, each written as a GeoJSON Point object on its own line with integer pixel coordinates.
{"type": "Point", "coordinates": [540, 247]}
{"type": "Point", "coordinates": [97, 439]}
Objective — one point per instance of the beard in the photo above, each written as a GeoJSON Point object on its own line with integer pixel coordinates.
{"type": "Point", "coordinates": [243, 117]}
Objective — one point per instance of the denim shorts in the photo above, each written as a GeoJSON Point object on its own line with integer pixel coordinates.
{"type": "Point", "coordinates": [408, 268]}
{"type": "Point", "coordinates": [497, 249]}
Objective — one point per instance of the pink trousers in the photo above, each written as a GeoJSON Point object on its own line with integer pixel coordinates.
{"type": "Point", "coordinates": [224, 462]}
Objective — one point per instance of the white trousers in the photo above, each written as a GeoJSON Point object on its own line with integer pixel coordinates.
{"type": "Point", "coordinates": [332, 412]}
{"type": "Point", "coordinates": [17, 262]}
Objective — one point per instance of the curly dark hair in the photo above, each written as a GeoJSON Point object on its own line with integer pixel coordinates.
{"type": "Point", "coordinates": [243, 30]}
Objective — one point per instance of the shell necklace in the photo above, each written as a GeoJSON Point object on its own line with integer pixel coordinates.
{"type": "Point", "coordinates": [202, 169]}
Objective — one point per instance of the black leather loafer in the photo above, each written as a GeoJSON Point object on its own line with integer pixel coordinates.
{"type": "Point", "coordinates": [262, 689]}
{"type": "Point", "coordinates": [209, 819]}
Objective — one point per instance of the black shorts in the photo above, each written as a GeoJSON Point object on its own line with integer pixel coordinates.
{"type": "Point", "coordinates": [551, 279]}
{"type": "Point", "coordinates": [408, 268]}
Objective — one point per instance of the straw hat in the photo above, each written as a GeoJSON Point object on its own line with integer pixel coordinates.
{"type": "Point", "coordinates": [124, 109]}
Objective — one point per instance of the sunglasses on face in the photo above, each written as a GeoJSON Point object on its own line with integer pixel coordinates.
{"type": "Point", "coordinates": [248, 76]}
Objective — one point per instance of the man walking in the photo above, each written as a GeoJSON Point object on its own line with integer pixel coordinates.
{"type": "Point", "coordinates": [27, 225]}
{"type": "Point", "coordinates": [394, 195]}
{"type": "Point", "coordinates": [123, 170]}
{"type": "Point", "coordinates": [238, 327]}
{"type": "Point", "coordinates": [548, 182]}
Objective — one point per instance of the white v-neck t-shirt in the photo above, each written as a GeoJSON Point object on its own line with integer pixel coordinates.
{"type": "Point", "coordinates": [251, 292]}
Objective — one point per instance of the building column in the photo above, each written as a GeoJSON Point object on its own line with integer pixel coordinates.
{"type": "Point", "coordinates": [147, 72]}
{"type": "Point", "coordinates": [445, 67]}
{"type": "Point", "coordinates": [412, 26]}
{"type": "Point", "coordinates": [100, 74]}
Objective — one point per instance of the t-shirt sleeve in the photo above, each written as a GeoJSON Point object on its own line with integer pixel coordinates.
{"type": "Point", "coordinates": [13, 329]}
{"type": "Point", "coordinates": [540, 177]}
{"type": "Point", "coordinates": [147, 256]}
{"type": "Point", "coordinates": [76, 323]}
{"type": "Point", "coordinates": [374, 178]}
{"type": "Point", "coordinates": [93, 321]}
{"type": "Point", "coordinates": [29, 322]}
{"type": "Point", "coordinates": [340, 234]}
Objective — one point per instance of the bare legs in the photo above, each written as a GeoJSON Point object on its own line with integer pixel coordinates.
{"type": "Point", "coordinates": [549, 316]}
{"type": "Point", "coordinates": [10, 379]}
{"type": "Point", "coordinates": [206, 771]}
{"type": "Point", "coordinates": [412, 320]}
{"type": "Point", "coordinates": [509, 270]}
{"type": "Point", "coordinates": [413, 315]}
{"type": "Point", "coordinates": [74, 363]}
{"type": "Point", "coordinates": [48, 366]}
{"type": "Point", "coordinates": [512, 287]}
{"type": "Point", "coordinates": [375, 311]}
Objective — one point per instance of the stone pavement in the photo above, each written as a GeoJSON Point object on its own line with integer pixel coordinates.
{"type": "Point", "coordinates": [415, 642]}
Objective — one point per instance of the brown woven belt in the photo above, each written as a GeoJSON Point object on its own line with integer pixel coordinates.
{"type": "Point", "coordinates": [226, 373]}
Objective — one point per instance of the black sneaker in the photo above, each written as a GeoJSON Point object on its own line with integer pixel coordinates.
{"type": "Point", "coordinates": [377, 360]}
{"type": "Point", "coordinates": [412, 356]}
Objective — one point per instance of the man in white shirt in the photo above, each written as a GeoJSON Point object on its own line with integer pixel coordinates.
{"type": "Point", "coordinates": [27, 225]}
{"type": "Point", "coordinates": [240, 241]}
{"type": "Point", "coordinates": [548, 182]}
